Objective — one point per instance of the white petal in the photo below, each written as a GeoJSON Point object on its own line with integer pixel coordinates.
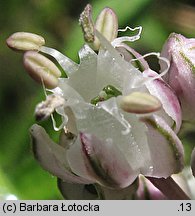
{"type": "Point", "coordinates": [84, 80]}
{"type": "Point", "coordinates": [106, 122]}
{"type": "Point", "coordinates": [114, 70]}
{"type": "Point", "coordinates": [67, 64]}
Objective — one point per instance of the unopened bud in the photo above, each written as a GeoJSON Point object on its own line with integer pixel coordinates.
{"type": "Point", "coordinates": [147, 191]}
{"type": "Point", "coordinates": [41, 69]}
{"type": "Point", "coordinates": [139, 103]}
{"type": "Point", "coordinates": [180, 51]}
{"type": "Point", "coordinates": [24, 41]}
{"type": "Point", "coordinates": [107, 25]}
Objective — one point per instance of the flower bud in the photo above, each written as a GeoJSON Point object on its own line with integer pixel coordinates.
{"type": "Point", "coordinates": [107, 25]}
{"type": "Point", "coordinates": [41, 69]}
{"type": "Point", "coordinates": [181, 53]}
{"type": "Point", "coordinates": [147, 191]}
{"type": "Point", "coordinates": [23, 41]}
{"type": "Point", "coordinates": [139, 103]}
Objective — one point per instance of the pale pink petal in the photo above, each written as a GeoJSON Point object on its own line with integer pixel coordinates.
{"type": "Point", "coordinates": [104, 161]}
{"type": "Point", "coordinates": [147, 191]}
{"type": "Point", "coordinates": [166, 149]}
{"type": "Point", "coordinates": [52, 157]}
{"type": "Point", "coordinates": [159, 88]}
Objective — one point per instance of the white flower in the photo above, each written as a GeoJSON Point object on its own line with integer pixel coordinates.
{"type": "Point", "coordinates": [111, 142]}
{"type": "Point", "coordinates": [110, 147]}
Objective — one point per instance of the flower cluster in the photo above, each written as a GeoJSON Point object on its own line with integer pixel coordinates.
{"type": "Point", "coordinates": [120, 118]}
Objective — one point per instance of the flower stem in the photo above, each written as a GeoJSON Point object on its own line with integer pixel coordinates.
{"type": "Point", "coordinates": [169, 188]}
{"type": "Point", "coordinates": [99, 192]}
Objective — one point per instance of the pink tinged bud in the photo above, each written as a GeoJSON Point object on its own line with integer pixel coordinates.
{"type": "Point", "coordinates": [166, 149]}
{"type": "Point", "coordinates": [139, 103]}
{"type": "Point", "coordinates": [193, 162]}
{"type": "Point", "coordinates": [24, 41]}
{"type": "Point", "coordinates": [181, 76]}
{"type": "Point", "coordinates": [52, 157]}
{"type": "Point", "coordinates": [147, 191]}
{"type": "Point", "coordinates": [170, 103]}
{"type": "Point", "coordinates": [107, 25]}
{"type": "Point", "coordinates": [41, 69]}
{"type": "Point", "coordinates": [105, 162]}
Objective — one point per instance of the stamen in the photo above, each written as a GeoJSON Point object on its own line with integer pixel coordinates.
{"type": "Point", "coordinates": [44, 89]}
{"type": "Point", "coordinates": [87, 24]}
{"type": "Point", "coordinates": [41, 69]}
{"type": "Point", "coordinates": [149, 79]}
{"type": "Point", "coordinates": [139, 103]}
{"type": "Point", "coordinates": [131, 29]}
{"type": "Point", "coordinates": [135, 54]}
{"type": "Point", "coordinates": [44, 109]}
{"type": "Point", "coordinates": [64, 121]}
{"type": "Point", "coordinates": [119, 40]}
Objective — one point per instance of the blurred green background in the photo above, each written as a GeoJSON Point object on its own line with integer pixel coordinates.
{"type": "Point", "coordinates": [57, 22]}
